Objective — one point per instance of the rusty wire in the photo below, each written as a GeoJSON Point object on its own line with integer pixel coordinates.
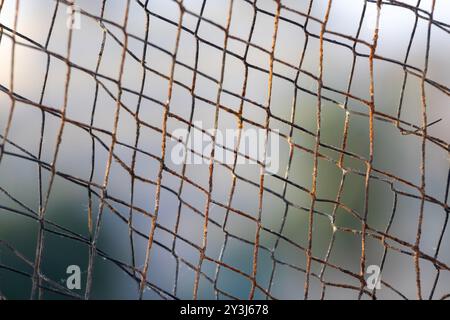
{"type": "Point", "coordinates": [282, 12]}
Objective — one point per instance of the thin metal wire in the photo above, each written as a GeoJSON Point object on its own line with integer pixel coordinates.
{"type": "Point", "coordinates": [282, 13]}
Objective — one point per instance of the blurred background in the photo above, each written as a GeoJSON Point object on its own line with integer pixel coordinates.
{"type": "Point", "coordinates": [41, 43]}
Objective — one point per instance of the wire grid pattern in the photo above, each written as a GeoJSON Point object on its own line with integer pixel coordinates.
{"type": "Point", "coordinates": [284, 13]}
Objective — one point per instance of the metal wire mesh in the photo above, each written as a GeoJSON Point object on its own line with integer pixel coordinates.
{"type": "Point", "coordinates": [101, 202]}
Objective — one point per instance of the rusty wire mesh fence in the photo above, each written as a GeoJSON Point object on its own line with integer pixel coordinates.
{"type": "Point", "coordinates": [92, 91]}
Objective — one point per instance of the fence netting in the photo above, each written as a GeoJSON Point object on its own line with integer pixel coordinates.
{"type": "Point", "coordinates": [92, 91]}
